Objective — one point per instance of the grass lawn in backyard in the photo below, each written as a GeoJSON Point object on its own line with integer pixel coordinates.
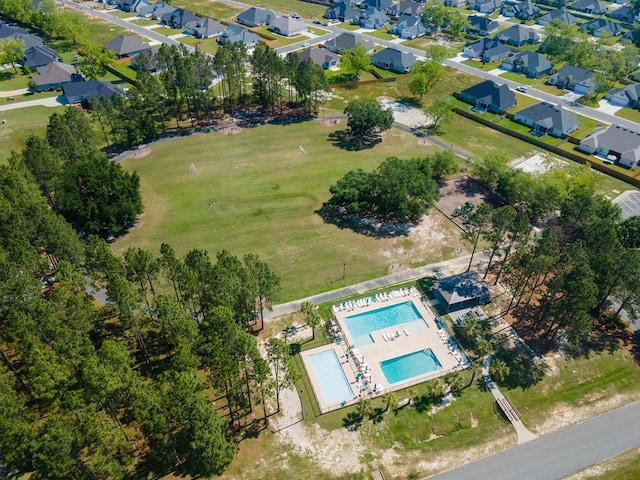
{"type": "Point", "coordinates": [92, 30]}
{"type": "Point", "coordinates": [20, 124]}
{"type": "Point", "coordinates": [265, 195]}
{"type": "Point", "coordinates": [10, 80]}
{"type": "Point", "coordinates": [208, 45]}
{"type": "Point", "coordinates": [629, 113]}
{"type": "Point", "coordinates": [124, 67]}
{"type": "Point", "coordinates": [209, 8]}
{"type": "Point", "coordinates": [145, 22]}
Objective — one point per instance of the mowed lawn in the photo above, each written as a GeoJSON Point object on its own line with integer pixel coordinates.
{"type": "Point", "coordinates": [266, 192]}
{"type": "Point", "coordinates": [21, 123]}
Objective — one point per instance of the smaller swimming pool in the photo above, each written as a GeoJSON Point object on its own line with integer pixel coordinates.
{"type": "Point", "coordinates": [361, 325]}
{"type": "Point", "coordinates": [411, 365]}
{"type": "Point", "coordinates": [334, 386]}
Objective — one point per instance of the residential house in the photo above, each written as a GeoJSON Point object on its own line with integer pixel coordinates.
{"type": "Point", "coordinates": [205, 28]}
{"type": "Point", "coordinates": [126, 46]}
{"type": "Point", "coordinates": [84, 92]}
{"type": "Point", "coordinates": [518, 35]}
{"type": "Point", "coordinates": [54, 75]}
{"type": "Point", "coordinates": [455, 3]}
{"type": "Point", "coordinates": [320, 56]}
{"type": "Point", "coordinates": [487, 50]}
{"type": "Point", "coordinates": [490, 96]}
{"type": "Point", "coordinates": [405, 8]}
{"type": "Point", "coordinates": [409, 27]}
{"type": "Point", "coordinates": [624, 14]}
{"type": "Point", "coordinates": [132, 5]}
{"type": "Point", "coordinates": [347, 41]}
{"type": "Point", "coordinates": [179, 18]}
{"type": "Point", "coordinates": [530, 64]}
{"type": "Point", "coordinates": [485, 6]}
{"type": "Point", "coordinates": [465, 290]}
{"type": "Point", "coordinates": [547, 119]}
{"type": "Point", "coordinates": [287, 26]}
{"type": "Point", "coordinates": [482, 25]}
{"type": "Point", "coordinates": [601, 27]}
{"type": "Point", "coordinates": [255, 16]}
{"type": "Point", "coordinates": [381, 5]}
{"type": "Point", "coordinates": [394, 60]}
{"type": "Point", "coordinates": [341, 12]}
{"type": "Point", "coordinates": [12, 32]}
{"type": "Point", "coordinates": [524, 10]}
{"type": "Point", "coordinates": [594, 7]}
{"type": "Point", "coordinates": [156, 10]}
{"type": "Point", "coordinates": [560, 15]}
{"type": "Point", "coordinates": [372, 18]}
{"type": "Point", "coordinates": [614, 143]}
{"type": "Point", "coordinates": [147, 60]}
{"type": "Point", "coordinates": [38, 56]}
{"type": "Point", "coordinates": [573, 78]}
{"type": "Point", "coordinates": [233, 34]}
{"type": "Point", "coordinates": [628, 96]}
{"type": "Point", "coordinates": [632, 36]}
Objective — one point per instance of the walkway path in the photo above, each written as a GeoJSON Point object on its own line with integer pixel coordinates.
{"type": "Point", "coordinates": [560, 453]}
{"type": "Point", "coordinates": [436, 269]}
{"type": "Point", "coordinates": [524, 435]}
{"type": "Point", "coordinates": [43, 102]}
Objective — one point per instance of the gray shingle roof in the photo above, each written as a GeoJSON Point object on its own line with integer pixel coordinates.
{"type": "Point", "coordinates": [531, 60]}
{"type": "Point", "coordinates": [463, 287]}
{"type": "Point", "coordinates": [126, 45]}
{"type": "Point", "coordinates": [256, 16]}
{"type": "Point", "coordinates": [490, 93]}
{"type": "Point", "coordinates": [550, 116]}
{"type": "Point", "coordinates": [319, 56]}
{"type": "Point", "coordinates": [54, 73]}
{"type": "Point", "coordinates": [38, 56]}
{"type": "Point", "coordinates": [575, 74]}
{"type": "Point", "coordinates": [561, 15]}
{"type": "Point", "coordinates": [617, 139]}
{"type": "Point", "coordinates": [91, 89]}
{"type": "Point", "coordinates": [518, 34]}
{"type": "Point", "coordinates": [347, 41]}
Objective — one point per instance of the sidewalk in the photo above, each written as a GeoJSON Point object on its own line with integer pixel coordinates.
{"type": "Point", "coordinates": [43, 102]}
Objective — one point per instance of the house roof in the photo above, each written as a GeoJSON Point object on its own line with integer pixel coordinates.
{"type": "Point", "coordinates": [206, 26]}
{"type": "Point", "coordinates": [16, 33]}
{"type": "Point", "coordinates": [498, 50]}
{"type": "Point", "coordinates": [38, 56]}
{"type": "Point", "coordinates": [157, 9]}
{"type": "Point", "coordinates": [525, 7]}
{"type": "Point", "coordinates": [482, 23]}
{"type": "Point", "coordinates": [347, 41]}
{"type": "Point", "coordinates": [394, 56]}
{"type": "Point", "coordinates": [149, 58]}
{"type": "Point", "coordinates": [575, 74]}
{"type": "Point", "coordinates": [377, 4]}
{"type": "Point", "coordinates": [596, 6]}
{"type": "Point", "coordinates": [126, 45]}
{"type": "Point", "coordinates": [531, 60]}
{"type": "Point", "coordinates": [374, 15]}
{"type": "Point", "coordinates": [550, 116]}
{"type": "Point", "coordinates": [518, 33]}
{"type": "Point", "coordinates": [632, 92]}
{"type": "Point", "coordinates": [602, 25]}
{"type": "Point", "coordinates": [467, 286]}
{"type": "Point", "coordinates": [560, 14]}
{"type": "Point", "coordinates": [319, 56]}
{"type": "Point", "coordinates": [288, 24]}
{"type": "Point", "coordinates": [54, 72]}
{"type": "Point", "coordinates": [405, 7]}
{"type": "Point", "coordinates": [341, 10]}
{"type": "Point", "coordinates": [615, 138]}
{"type": "Point", "coordinates": [490, 93]}
{"type": "Point", "coordinates": [91, 89]}
{"type": "Point", "coordinates": [256, 16]}
{"type": "Point", "coordinates": [234, 34]}
{"type": "Point", "coordinates": [481, 45]}
{"type": "Point", "coordinates": [179, 17]}
{"type": "Point", "coordinates": [623, 13]}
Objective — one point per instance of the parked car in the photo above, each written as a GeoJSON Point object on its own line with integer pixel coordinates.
{"type": "Point", "coordinates": [522, 88]}
{"type": "Point", "coordinates": [294, 15]}
{"type": "Point", "coordinates": [316, 21]}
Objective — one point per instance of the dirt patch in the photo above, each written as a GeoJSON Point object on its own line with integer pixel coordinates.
{"type": "Point", "coordinates": [330, 122]}
{"type": "Point", "coordinates": [456, 192]}
{"type": "Point", "coordinates": [142, 152]}
{"type": "Point", "coordinates": [231, 130]}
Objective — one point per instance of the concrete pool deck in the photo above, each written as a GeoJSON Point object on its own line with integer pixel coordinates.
{"type": "Point", "coordinates": [381, 350]}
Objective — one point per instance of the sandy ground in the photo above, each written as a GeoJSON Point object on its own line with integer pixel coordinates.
{"type": "Point", "coordinates": [231, 130]}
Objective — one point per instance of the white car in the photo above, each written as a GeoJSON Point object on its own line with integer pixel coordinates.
{"type": "Point", "coordinates": [522, 88]}
{"type": "Point", "coordinates": [294, 15]}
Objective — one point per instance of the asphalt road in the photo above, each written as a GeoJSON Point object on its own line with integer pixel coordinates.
{"type": "Point", "coordinates": [561, 453]}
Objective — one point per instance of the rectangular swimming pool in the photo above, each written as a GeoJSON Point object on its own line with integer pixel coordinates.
{"type": "Point", "coordinates": [361, 325]}
{"type": "Point", "coordinates": [411, 365]}
{"type": "Point", "coordinates": [334, 386]}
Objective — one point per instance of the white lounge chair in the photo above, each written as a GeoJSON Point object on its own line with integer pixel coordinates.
{"type": "Point", "coordinates": [406, 332]}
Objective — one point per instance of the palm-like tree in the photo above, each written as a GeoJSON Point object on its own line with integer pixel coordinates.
{"type": "Point", "coordinates": [499, 370]}
{"type": "Point", "coordinates": [312, 317]}
{"type": "Point", "coordinates": [390, 401]}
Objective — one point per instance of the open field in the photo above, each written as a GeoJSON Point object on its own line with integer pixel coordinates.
{"type": "Point", "coordinates": [20, 124]}
{"type": "Point", "coordinates": [209, 8]}
{"type": "Point", "coordinates": [265, 199]}
{"type": "Point", "coordinates": [307, 10]}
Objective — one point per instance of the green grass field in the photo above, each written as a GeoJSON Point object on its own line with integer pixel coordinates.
{"type": "Point", "coordinates": [121, 14]}
{"type": "Point", "coordinates": [20, 124]}
{"type": "Point", "coordinates": [168, 31]}
{"type": "Point", "coordinates": [381, 34]}
{"type": "Point", "coordinates": [208, 45]}
{"type": "Point", "coordinates": [307, 10]}
{"type": "Point", "coordinates": [629, 113]}
{"type": "Point", "coordinates": [348, 26]}
{"type": "Point", "coordinates": [209, 8]}
{"type": "Point", "coordinates": [145, 22]}
{"type": "Point", "coordinates": [265, 195]}
{"type": "Point", "coordinates": [10, 80]}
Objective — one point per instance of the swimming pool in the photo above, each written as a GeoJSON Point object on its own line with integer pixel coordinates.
{"type": "Point", "coordinates": [334, 386]}
{"type": "Point", "coordinates": [411, 365]}
{"type": "Point", "coordinates": [362, 324]}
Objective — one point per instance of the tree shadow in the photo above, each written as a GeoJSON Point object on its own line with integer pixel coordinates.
{"type": "Point", "coordinates": [377, 415]}
{"type": "Point", "coordinates": [343, 140]}
{"type": "Point", "coordinates": [410, 101]}
{"type": "Point", "coordinates": [352, 422]}
{"type": "Point", "coordinates": [525, 370]}
{"type": "Point", "coordinates": [423, 403]}
{"type": "Point", "coordinates": [369, 226]}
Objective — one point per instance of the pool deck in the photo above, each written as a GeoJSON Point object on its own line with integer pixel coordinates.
{"type": "Point", "coordinates": [365, 360]}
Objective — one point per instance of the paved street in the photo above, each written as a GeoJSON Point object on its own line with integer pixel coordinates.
{"type": "Point", "coordinates": [561, 453]}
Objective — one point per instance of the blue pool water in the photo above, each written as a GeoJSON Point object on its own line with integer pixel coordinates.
{"type": "Point", "coordinates": [411, 365]}
{"type": "Point", "coordinates": [333, 382]}
{"type": "Point", "coordinates": [361, 325]}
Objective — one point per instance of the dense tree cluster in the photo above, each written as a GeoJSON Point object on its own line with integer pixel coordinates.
{"type": "Point", "coordinates": [398, 190]}
{"type": "Point", "coordinates": [103, 392]}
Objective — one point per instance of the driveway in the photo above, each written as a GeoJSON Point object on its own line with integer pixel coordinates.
{"type": "Point", "coordinates": [42, 102]}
